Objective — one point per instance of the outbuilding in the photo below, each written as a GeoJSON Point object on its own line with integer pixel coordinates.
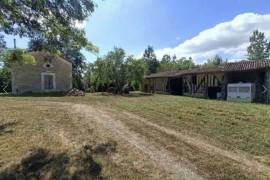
{"type": "Point", "coordinates": [50, 74]}
{"type": "Point", "coordinates": [213, 82]}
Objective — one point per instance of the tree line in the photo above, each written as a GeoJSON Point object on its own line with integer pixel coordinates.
{"type": "Point", "coordinates": [116, 70]}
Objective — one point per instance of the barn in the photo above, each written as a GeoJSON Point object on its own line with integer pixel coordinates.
{"type": "Point", "coordinates": [214, 83]}
{"type": "Point", "coordinates": [50, 74]}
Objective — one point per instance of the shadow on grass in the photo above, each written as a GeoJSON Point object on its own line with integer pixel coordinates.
{"type": "Point", "coordinates": [5, 127]}
{"type": "Point", "coordinates": [41, 164]}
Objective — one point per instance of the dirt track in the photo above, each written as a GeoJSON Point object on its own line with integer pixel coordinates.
{"type": "Point", "coordinates": [110, 123]}
{"type": "Point", "coordinates": [161, 157]}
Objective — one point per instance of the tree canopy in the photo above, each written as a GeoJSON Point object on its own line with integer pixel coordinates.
{"type": "Point", "coordinates": [214, 62]}
{"type": "Point", "coordinates": [259, 47]}
{"type": "Point", "coordinates": [151, 60]}
{"type": "Point", "coordinates": [28, 17]}
{"type": "Point", "coordinates": [2, 43]}
{"type": "Point", "coordinates": [171, 63]}
{"type": "Point", "coordinates": [114, 70]}
{"type": "Point", "coordinates": [52, 21]}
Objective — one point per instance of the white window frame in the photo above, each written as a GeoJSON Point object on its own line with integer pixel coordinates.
{"type": "Point", "coordinates": [43, 79]}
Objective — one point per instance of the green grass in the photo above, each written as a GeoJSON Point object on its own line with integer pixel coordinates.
{"type": "Point", "coordinates": [231, 126]}
{"type": "Point", "coordinates": [243, 126]}
{"type": "Point", "coordinates": [235, 125]}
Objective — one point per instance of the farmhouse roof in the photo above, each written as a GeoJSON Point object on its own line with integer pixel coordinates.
{"type": "Point", "coordinates": [226, 67]}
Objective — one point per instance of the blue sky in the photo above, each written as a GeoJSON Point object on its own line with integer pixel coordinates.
{"type": "Point", "coordinates": [186, 28]}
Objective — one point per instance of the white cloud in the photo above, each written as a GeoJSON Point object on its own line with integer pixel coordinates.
{"type": "Point", "coordinates": [228, 38]}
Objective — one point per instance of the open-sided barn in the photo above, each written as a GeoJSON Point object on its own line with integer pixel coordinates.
{"type": "Point", "coordinates": [213, 82]}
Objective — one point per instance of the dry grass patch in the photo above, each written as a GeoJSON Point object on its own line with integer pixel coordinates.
{"type": "Point", "coordinates": [233, 127]}
{"type": "Point", "coordinates": [28, 124]}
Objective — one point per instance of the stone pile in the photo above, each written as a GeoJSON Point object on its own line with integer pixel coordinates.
{"type": "Point", "coordinates": [75, 92]}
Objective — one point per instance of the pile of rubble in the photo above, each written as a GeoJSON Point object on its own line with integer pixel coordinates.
{"type": "Point", "coordinates": [75, 92]}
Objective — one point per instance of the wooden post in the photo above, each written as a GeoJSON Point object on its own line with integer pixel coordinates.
{"type": "Point", "coordinates": [224, 86]}
{"type": "Point", "coordinates": [267, 85]}
{"type": "Point", "coordinates": [14, 41]}
{"type": "Point", "coordinates": [206, 87]}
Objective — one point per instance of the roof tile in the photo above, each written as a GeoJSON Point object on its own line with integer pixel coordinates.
{"type": "Point", "coordinates": [227, 67]}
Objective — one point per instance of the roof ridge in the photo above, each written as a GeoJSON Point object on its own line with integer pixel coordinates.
{"type": "Point", "coordinates": [243, 65]}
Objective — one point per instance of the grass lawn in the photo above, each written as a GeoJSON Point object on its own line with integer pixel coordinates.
{"type": "Point", "coordinates": [235, 125]}
{"type": "Point", "coordinates": [29, 122]}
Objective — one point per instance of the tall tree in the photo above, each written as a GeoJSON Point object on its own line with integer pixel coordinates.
{"type": "Point", "coordinates": [5, 78]}
{"type": "Point", "coordinates": [166, 63]}
{"type": "Point", "coordinates": [214, 62]}
{"type": "Point", "coordinates": [169, 63]}
{"type": "Point", "coordinates": [135, 71]}
{"type": "Point", "coordinates": [117, 68]}
{"type": "Point", "coordinates": [151, 60]}
{"type": "Point", "coordinates": [114, 70]}
{"type": "Point", "coordinates": [78, 65]}
{"type": "Point", "coordinates": [185, 63]}
{"type": "Point", "coordinates": [97, 77]}
{"type": "Point", "coordinates": [259, 47]}
{"type": "Point", "coordinates": [2, 43]}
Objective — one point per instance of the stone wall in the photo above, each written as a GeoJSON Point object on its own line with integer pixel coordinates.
{"type": "Point", "coordinates": [27, 77]}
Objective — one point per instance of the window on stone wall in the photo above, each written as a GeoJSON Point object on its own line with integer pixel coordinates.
{"type": "Point", "coordinates": [48, 82]}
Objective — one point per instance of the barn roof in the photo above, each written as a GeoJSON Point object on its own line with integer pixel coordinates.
{"type": "Point", "coordinates": [226, 67]}
{"type": "Point", "coordinates": [246, 65]}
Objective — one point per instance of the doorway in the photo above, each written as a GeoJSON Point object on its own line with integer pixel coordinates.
{"type": "Point", "coordinates": [176, 86]}
{"type": "Point", "coordinates": [213, 92]}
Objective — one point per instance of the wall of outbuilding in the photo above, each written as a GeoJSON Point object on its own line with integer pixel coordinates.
{"type": "Point", "coordinates": [155, 85]}
{"type": "Point", "coordinates": [198, 87]}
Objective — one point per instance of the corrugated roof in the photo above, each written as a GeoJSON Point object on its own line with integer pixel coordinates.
{"type": "Point", "coordinates": [227, 67]}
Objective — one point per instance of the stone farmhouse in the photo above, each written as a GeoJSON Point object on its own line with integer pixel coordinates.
{"type": "Point", "coordinates": [49, 74]}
